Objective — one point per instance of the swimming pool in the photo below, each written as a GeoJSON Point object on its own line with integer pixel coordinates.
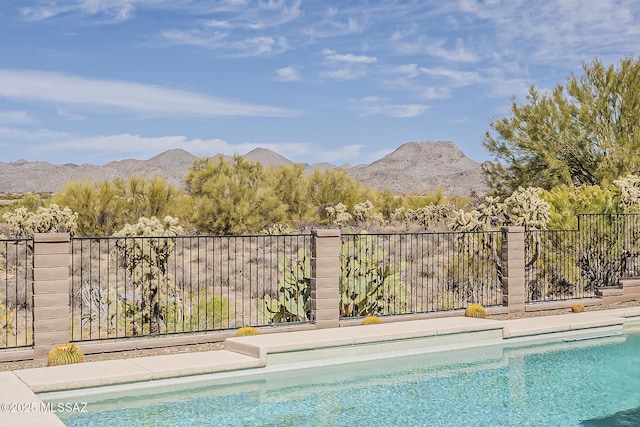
{"type": "Point", "coordinates": [562, 384]}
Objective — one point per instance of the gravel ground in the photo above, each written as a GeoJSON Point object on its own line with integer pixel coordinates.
{"type": "Point", "coordinates": [10, 366]}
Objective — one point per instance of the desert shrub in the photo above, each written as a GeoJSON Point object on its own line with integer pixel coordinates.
{"type": "Point", "coordinates": [207, 314]}
{"type": "Point", "coordinates": [7, 317]}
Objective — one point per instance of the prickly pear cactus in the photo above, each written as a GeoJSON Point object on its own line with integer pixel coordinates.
{"type": "Point", "coordinates": [65, 354]}
{"type": "Point", "coordinates": [370, 285]}
{"type": "Point", "coordinates": [293, 302]}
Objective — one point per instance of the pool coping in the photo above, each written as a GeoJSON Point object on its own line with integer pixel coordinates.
{"type": "Point", "coordinates": [291, 350]}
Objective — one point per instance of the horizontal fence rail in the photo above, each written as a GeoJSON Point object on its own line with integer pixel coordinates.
{"type": "Point", "coordinates": [16, 293]}
{"type": "Point", "coordinates": [573, 264]}
{"type": "Point", "coordinates": [127, 287]}
{"type": "Point", "coordinates": [387, 274]}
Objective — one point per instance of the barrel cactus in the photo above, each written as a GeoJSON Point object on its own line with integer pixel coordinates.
{"type": "Point", "coordinates": [247, 331]}
{"type": "Point", "coordinates": [371, 320]}
{"type": "Point", "coordinates": [65, 354]}
{"type": "Point", "coordinates": [577, 307]}
{"type": "Point", "coordinates": [476, 311]}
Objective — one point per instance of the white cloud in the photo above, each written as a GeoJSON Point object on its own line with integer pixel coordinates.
{"type": "Point", "coordinates": [371, 105]}
{"type": "Point", "coordinates": [287, 74]}
{"type": "Point", "coordinates": [15, 118]}
{"type": "Point", "coordinates": [344, 74]}
{"type": "Point", "coordinates": [358, 59]}
{"type": "Point", "coordinates": [128, 96]}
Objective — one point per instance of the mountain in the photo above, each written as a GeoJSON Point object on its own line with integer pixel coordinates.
{"type": "Point", "coordinates": [418, 166]}
{"type": "Point", "coordinates": [412, 167]}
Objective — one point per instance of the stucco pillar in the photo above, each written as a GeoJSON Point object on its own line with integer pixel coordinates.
{"type": "Point", "coordinates": [325, 278]}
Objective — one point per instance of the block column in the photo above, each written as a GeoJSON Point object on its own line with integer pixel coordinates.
{"type": "Point", "coordinates": [51, 262]}
{"type": "Point", "coordinates": [513, 269]}
{"type": "Point", "coordinates": [325, 278]}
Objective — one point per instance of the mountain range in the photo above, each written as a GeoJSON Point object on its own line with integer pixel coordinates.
{"type": "Point", "coordinates": [412, 168]}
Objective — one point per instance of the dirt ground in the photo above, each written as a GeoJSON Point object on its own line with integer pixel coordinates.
{"type": "Point", "coordinates": [10, 366]}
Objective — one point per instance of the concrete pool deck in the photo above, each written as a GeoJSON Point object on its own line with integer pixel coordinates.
{"type": "Point", "coordinates": [290, 350]}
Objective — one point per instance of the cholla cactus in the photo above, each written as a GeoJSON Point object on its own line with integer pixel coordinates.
{"type": "Point", "coordinates": [466, 221]}
{"type": "Point", "coordinates": [339, 214]}
{"type": "Point", "coordinates": [277, 229]}
{"type": "Point", "coordinates": [629, 189]}
{"type": "Point", "coordinates": [144, 251]}
{"type": "Point", "coordinates": [526, 208]}
{"type": "Point", "coordinates": [364, 212]}
{"type": "Point", "coordinates": [23, 223]}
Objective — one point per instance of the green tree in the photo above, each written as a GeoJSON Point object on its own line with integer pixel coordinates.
{"type": "Point", "coordinates": [289, 184]}
{"type": "Point", "coordinates": [105, 206]}
{"type": "Point", "coordinates": [585, 132]}
{"type": "Point", "coordinates": [232, 197]}
{"type": "Point", "coordinates": [330, 188]}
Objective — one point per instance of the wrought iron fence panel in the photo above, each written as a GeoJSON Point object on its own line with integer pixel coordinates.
{"type": "Point", "coordinates": [16, 293]}
{"type": "Point", "coordinates": [573, 264]}
{"type": "Point", "coordinates": [403, 273]}
{"type": "Point", "coordinates": [135, 286]}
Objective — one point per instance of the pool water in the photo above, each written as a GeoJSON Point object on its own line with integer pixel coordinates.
{"type": "Point", "coordinates": [592, 383]}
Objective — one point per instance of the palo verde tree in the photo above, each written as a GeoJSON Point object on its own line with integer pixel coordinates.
{"type": "Point", "coordinates": [232, 197]}
{"type": "Point", "coordinates": [105, 206]}
{"type": "Point", "coordinates": [585, 132]}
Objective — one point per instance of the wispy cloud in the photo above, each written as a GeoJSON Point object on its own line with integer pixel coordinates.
{"type": "Point", "coordinates": [371, 105]}
{"type": "Point", "coordinates": [117, 95]}
{"type": "Point", "coordinates": [15, 118]}
{"type": "Point", "coordinates": [109, 11]}
{"type": "Point", "coordinates": [287, 74]}
{"type": "Point", "coordinates": [332, 55]}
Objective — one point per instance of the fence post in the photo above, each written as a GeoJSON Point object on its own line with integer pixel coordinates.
{"type": "Point", "coordinates": [513, 269]}
{"type": "Point", "coordinates": [325, 278]}
{"type": "Point", "coordinates": [51, 262]}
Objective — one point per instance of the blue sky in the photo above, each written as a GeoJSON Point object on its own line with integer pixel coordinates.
{"type": "Point", "coordinates": [91, 81]}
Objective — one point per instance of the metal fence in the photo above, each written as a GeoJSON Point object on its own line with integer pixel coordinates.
{"type": "Point", "coordinates": [571, 264]}
{"type": "Point", "coordinates": [403, 273]}
{"type": "Point", "coordinates": [126, 287]}
{"type": "Point", "coordinates": [16, 293]}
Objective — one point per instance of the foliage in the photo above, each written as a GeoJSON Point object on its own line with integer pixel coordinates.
{"type": "Point", "coordinates": [277, 229]}
{"type": "Point", "coordinates": [293, 300]}
{"type": "Point", "coordinates": [370, 284]}
{"type": "Point", "coordinates": [144, 251]}
{"type": "Point", "coordinates": [247, 331]}
{"type": "Point", "coordinates": [23, 223]}
{"type": "Point", "coordinates": [476, 311]}
{"type": "Point", "coordinates": [566, 202]}
{"type": "Point", "coordinates": [332, 187]}
{"type": "Point", "coordinates": [65, 354]}
{"type": "Point", "coordinates": [232, 197]}
{"type": "Point", "coordinates": [585, 132]}
{"type": "Point", "coordinates": [207, 314]}
{"type": "Point", "coordinates": [371, 320]}
{"type": "Point", "coordinates": [103, 207]}
{"type": "Point", "coordinates": [7, 316]}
